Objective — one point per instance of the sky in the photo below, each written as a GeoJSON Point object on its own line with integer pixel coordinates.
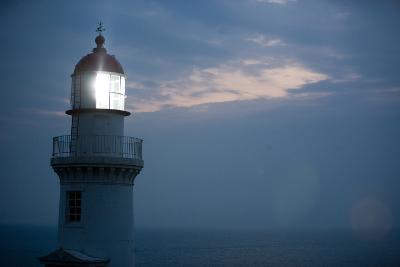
{"type": "Point", "coordinates": [254, 113]}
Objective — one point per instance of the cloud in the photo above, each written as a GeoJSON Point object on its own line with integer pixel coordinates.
{"type": "Point", "coordinates": [264, 41]}
{"type": "Point", "coordinates": [43, 112]}
{"type": "Point", "coordinates": [279, 2]}
{"type": "Point", "coordinates": [348, 76]}
{"type": "Point", "coordinates": [233, 81]}
{"type": "Point", "coordinates": [134, 85]}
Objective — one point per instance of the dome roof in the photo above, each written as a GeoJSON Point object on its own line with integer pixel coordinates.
{"type": "Point", "coordinates": [99, 60]}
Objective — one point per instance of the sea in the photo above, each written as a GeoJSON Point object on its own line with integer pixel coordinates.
{"type": "Point", "coordinates": [21, 245]}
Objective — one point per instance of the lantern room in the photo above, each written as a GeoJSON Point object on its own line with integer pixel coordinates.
{"type": "Point", "coordinates": [98, 82]}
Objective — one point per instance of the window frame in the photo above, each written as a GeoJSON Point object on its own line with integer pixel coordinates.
{"type": "Point", "coordinates": [78, 213]}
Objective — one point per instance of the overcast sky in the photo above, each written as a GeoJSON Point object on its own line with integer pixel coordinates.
{"type": "Point", "coordinates": [254, 113]}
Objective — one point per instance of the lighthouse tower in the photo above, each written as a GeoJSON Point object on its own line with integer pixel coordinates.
{"type": "Point", "coordinates": [96, 165]}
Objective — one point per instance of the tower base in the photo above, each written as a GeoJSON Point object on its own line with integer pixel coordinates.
{"type": "Point", "coordinates": [69, 258]}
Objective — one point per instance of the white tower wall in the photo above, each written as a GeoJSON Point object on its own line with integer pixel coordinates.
{"type": "Point", "coordinates": [100, 123]}
{"type": "Point", "coordinates": [106, 227]}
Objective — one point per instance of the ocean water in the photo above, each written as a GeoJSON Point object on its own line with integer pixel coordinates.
{"type": "Point", "coordinates": [21, 245]}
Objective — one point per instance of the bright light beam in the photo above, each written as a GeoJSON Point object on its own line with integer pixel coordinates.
{"type": "Point", "coordinates": [101, 86]}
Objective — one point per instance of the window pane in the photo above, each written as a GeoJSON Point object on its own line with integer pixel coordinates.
{"type": "Point", "coordinates": [102, 86]}
{"type": "Point", "coordinates": [115, 84]}
{"type": "Point", "coordinates": [86, 95]}
{"type": "Point", "coordinates": [117, 101]}
{"type": "Point", "coordinates": [123, 85]}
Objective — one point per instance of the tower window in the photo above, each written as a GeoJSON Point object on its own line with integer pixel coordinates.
{"type": "Point", "coordinates": [74, 206]}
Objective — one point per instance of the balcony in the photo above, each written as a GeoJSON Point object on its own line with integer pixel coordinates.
{"type": "Point", "coordinates": [97, 146]}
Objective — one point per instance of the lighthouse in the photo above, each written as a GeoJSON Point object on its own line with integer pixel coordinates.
{"type": "Point", "coordinates": [96, 165]}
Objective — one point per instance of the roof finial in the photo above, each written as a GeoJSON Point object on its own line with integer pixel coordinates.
{"type": "Point", "coordinates": [100, 39]}
{"type": "Point", "coordinates": [100, 28]}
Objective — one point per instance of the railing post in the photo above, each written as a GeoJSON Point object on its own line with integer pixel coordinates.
{"type": "Point", "coordinates": [54, 145]}
{"type": "Point", "coordinates": [140, 149]}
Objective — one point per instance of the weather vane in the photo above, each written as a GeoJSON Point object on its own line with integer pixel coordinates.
{"type": "Point", "coordinates": [100, 28]}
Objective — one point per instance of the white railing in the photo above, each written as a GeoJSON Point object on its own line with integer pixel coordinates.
{"type": "Point", "coordinates": [97, 145]}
